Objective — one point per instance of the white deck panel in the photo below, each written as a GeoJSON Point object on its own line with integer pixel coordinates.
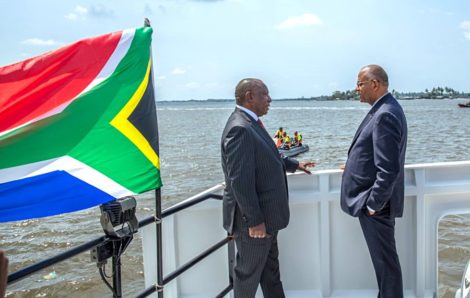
{"type": "Point", "coordinates": [322, 251]}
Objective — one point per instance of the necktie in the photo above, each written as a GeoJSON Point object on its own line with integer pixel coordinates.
{"type": "Point", "coordinates": [261, 123]}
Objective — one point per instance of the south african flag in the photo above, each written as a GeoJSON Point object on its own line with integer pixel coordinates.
{"type": "Point", "coordinates": [78, 126]}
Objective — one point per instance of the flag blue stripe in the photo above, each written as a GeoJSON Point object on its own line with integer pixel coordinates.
{"type": "Point", "coordinates": [47, 194]}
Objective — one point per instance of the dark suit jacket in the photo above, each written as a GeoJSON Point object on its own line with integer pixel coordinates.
{"type": "Point", "coordinates": [374, 173]}
{"type": "Point", "coordinates": [255, 176]}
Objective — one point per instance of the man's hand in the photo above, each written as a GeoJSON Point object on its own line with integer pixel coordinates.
{"type": "Point", "coordinates": [304, 165]}
{"type": "Point", "coordinates": [342, 167]}
{"type": "Point", "coordinates": [258, 231]}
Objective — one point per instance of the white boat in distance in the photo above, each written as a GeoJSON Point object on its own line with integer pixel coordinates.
{"type": "Point", "coordinates": [316, 247]}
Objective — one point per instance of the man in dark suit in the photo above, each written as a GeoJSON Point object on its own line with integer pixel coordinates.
{"type": "Point", "coordinates": [373, 179]}
{"type": "Point", "coordinates": [255, 204]}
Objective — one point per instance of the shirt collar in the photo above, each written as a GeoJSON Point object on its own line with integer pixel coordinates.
{"type": "Point", "coordinates": [380, 99]}
{"type": "Point", "coordinates": [249, 112]}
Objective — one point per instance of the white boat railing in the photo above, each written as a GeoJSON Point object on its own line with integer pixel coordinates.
{"type": "Point", "coordinates": [322, 251]}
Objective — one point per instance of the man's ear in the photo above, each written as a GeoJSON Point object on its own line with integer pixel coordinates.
{"type": "Point", "coordinates": [376, 83]}
{"type": "Point", "coordinates": [248, 96]}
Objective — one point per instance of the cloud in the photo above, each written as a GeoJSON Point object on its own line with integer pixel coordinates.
{"type": "Point", "coordinates": [211, 85]}
{"type": "Point", "coordinates": [465, 25]}
{"type": "Point", "coordinates": [305, 20]}
{"type": "Point", "coordinates": [78, 11]}
{"type": "Point", "coordinates": [178, 71]}
{"type": "Point", "coordinates": [148, 10]}
{"type": "Point", "coordinates": [193, 85]}
{"type": "Point", "coordinates": [41, 42]}
{"type": "Point", "coordinates": [333, 85]}
{"type": "Point", "coordinates": [81, 9]}
{"type": "Point", "coordinates": [99, 11]}
{"type": "Point", "coordinates": [71, 16]}
{"type": "Point", "coordinates": [161, 77]}
{"type": "Point", "coordinates": [96, 11]}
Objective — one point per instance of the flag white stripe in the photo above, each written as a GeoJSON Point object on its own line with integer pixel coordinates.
{"type": "Point", "coordinates": [71, 166]}
{"type": "Point", "coordinates": [113, 61]}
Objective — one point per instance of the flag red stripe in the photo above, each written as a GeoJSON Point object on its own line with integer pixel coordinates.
{"type": "Point", "coordinates": [51, 79]}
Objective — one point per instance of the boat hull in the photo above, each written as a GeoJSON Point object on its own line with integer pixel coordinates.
{"type": "Point", "coordinates": [294, 151]}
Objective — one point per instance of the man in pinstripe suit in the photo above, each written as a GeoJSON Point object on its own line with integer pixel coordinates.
{"type": "Point", "coordinates": [255, 205]}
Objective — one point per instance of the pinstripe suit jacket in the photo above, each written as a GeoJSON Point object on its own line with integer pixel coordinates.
{"type": "Point", "coordinates": [255, 176]}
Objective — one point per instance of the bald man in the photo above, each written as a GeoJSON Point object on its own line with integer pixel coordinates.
{"type": "Point", "coordinates": [255, 200]}
{"type": "Point", "coordinates": [373, 179]}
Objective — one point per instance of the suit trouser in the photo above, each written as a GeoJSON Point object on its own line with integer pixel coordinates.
{"type": "Point", "coordinates": [257, 263]}
{"type": "Point", "coordinates": [379, 232]}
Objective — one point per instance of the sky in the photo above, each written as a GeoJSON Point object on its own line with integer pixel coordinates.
{"type": "Point", "coordinates": [299, 48]}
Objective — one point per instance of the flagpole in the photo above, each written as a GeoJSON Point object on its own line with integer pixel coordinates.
{"type": "Point", "coordinates": [158, 205]}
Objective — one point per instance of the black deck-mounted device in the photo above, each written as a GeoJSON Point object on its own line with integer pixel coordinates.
{"type": "Point", "coordinates": [119, 224]}
{"type": "Point", "coordinates": [119, 213]}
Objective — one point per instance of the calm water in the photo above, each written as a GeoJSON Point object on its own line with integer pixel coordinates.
{"type": "Point", "coordinates": [190, 162]}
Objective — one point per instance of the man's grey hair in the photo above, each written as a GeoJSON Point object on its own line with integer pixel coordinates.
{"type": "Point", "coordinates": [376, 72]}
{"type": "Point", "coordinates": [244, 86]}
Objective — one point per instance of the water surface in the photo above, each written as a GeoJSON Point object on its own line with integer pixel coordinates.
{"type": "Point", "coordinates": [190, 162]}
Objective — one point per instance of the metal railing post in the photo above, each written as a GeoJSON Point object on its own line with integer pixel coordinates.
{"type": "Point", "coordinates": [231, 260]}
{"type": "Point", "coordinates": [117, 276]}
{"type": "Point", "coordinates": [158, 207]}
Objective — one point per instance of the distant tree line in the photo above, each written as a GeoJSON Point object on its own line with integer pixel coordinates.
{"type": "Point", "coordinates": [345, 95]}
{"type": "Point", "coordinates": [434, 93]}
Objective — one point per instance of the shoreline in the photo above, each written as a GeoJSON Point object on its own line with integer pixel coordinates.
{"type": "Point", "coordinates": [321, 98]}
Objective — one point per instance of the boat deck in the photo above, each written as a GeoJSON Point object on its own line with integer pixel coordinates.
{"type": "Point", "coordinates": [322, 251]}
{"type": "Point", "coordinates": [336, 294]}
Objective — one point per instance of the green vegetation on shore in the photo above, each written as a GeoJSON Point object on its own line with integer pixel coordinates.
{"type": "Point", "coordinates": [434, 93]}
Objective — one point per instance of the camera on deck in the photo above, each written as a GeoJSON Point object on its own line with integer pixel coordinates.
{"type": "Point", "coordinates": [118, 217]}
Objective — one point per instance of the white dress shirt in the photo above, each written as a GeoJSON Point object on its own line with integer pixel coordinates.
{"type": "Point", "coordinates": [249, 112]}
